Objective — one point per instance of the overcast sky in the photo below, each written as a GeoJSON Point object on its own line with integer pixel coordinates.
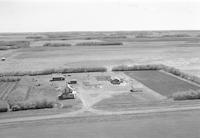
{"type": "Point", "coordinates": [98, 15]}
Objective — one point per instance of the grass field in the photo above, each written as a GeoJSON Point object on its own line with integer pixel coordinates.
{"type": "Point", "coordinates": [179, 52]}
{"type": "Point", "coordinates": [123, 101]}
{"type": "Point", "coordinates": [181, 124]}
{"type": "Point", "coordinates": [161, 82]}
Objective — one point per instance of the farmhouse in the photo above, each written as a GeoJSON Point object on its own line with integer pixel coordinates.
{"type": "Point", "coordinates": [68, 89]}
{"type": "Point", "coordinates": [68, 93]}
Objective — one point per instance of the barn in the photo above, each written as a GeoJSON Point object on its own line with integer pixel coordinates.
{"type": "Point", "coordinates": [57, 77]}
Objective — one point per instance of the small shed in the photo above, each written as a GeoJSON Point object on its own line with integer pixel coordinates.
{"type": "Point", "coordinates": [66, 96]}
{"type": "Point", "coordinates": [116, 81]}
{"type": "Point", "coordinates": [72, 82]}
{"type": "Point", "coordinates": [3, 59]}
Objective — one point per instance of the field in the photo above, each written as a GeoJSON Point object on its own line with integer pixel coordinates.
{"type": "Point", "coordinates": [179, 52]}
{"type": "Point", "coordinates": [180, 124]}
{"type": "Point", "coordinates": [100, 92]}
{"type": "Point", "coordinates": [6, 88]}
{"type": "Point", "coordinates": [163, 83]}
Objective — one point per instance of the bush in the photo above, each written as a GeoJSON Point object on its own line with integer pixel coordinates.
{"type": "Point", "coordinates": [56, 44]}
{"type": "Point", "coordinates": [14, 44]}
{"type": "Point", "coordinates": [143, 35]}
{"type": "Point", "coordinates": [82, 70]}
{"type": "Point", "coordinates": [32, 104]}
{"type": "Point", "coordinates": [9, 79]}
{"type": "Point", "coordinates": [34, 37]}
{"type": "Point", "coordinates": [187, 95]}
{"type": "Point", "coordinates": [4, 47]}
{"type": "Point", "coordinates": [3, 106]}
{"type": "Point", "coordinates": [183, 75]}
{"type": "Point", "coordinates": [176, 35]}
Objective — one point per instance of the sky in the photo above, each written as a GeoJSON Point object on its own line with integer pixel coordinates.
{"type": "Point", "coordinates": [98, 15]}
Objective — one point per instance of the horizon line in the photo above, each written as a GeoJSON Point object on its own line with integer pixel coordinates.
{"type": "Point", "coordinates": [162, 30]}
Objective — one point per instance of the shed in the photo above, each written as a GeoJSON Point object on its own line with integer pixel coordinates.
{"type": "Point", "coordinates": [57, 77]}
{"type": "Point", "coordinates": [72, 82]}
{"type": "Point", "coordinates": [116, 81]}
{"type": "Point", "coordinates": [3, 59]}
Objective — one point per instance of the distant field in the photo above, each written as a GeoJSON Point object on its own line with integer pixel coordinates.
{"type": "Point", "coordinates": [160, 82]}
{"type": "Point", "coordinates": [37, 57]}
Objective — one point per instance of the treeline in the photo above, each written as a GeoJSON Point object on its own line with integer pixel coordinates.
{"type": "Point", "coordinates": [5, 45]}
{"type": "Point", "coordinates": [9, 79]}
{"type": "Point", "coordinates": [50, 71]}
{"type": "Point", "coordinates": [56, 44]}
{"type": "Point", "coordinates": [187, 95]}
{"type": "Point", "coordinates": [98, 43]}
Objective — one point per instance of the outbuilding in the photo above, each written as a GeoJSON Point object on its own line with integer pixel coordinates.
{"type": "Point", "coordinates": [3, 59]}
{"type": "Point", "coordinates": [116, 81]}
{"type": "Point", "coordinates": [72, 82]}
{"type": "Point", "coordinates": [57, 77]}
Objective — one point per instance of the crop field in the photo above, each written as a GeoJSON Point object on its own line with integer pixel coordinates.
{"type": "Point", "coordinates": [162, 83]}
{"type": "Point", "coordinates": [30, 91]}
{"type": "Point", "coordinates": [6, 88]}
